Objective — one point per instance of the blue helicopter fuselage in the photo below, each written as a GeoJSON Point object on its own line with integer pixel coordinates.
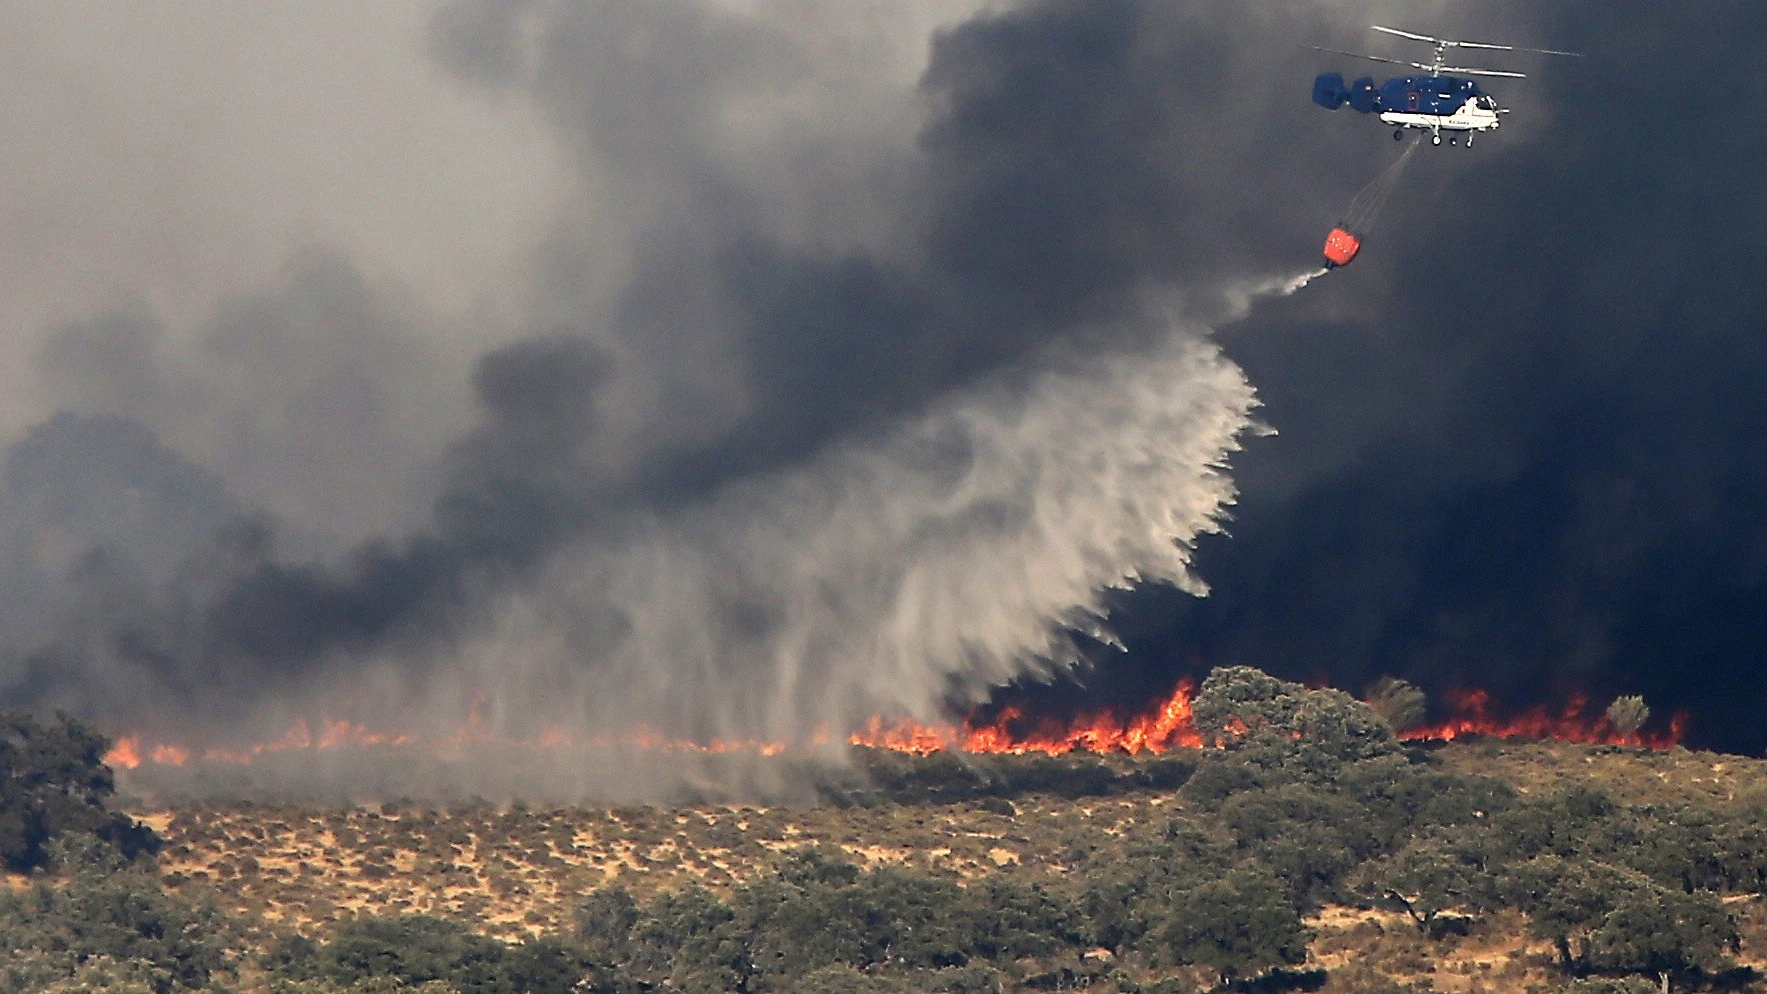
{"type": "Point", "coordinates": [1433, 102]}
{"type": "Point", "coordinates": [1438, 95]}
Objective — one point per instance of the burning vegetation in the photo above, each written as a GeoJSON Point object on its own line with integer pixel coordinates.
{"type": "Point", "coordinates": [1010, 729]}
{"type": "Point", "coordinates": [1303, 846]}
{"type": "Point", "coordinates": [1472, 714]}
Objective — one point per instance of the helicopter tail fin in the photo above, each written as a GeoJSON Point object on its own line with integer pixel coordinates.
{"type": "Point", "coordinates": [1329, 91]}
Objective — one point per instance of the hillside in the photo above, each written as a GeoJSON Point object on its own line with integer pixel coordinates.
{"type": "Point", "coordinates": [518, 872]}
{"type": "Point", "coordinates": [1309, 851]}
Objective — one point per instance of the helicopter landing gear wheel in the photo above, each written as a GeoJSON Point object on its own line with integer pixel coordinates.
{"type": "Point", "coordinates": [1398, 134]}
{"type": "Point", "coordinates": [1469, 141]}
{"type": "Point", "coordinates": [1453, 140]}
{"type": "Point", "coordinates": [1435, 139]}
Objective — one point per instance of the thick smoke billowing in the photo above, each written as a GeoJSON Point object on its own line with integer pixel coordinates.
{"type": "Point", "coordinates": [831, 397]}
{"type": "Point", "coordinates": [1520, 438]}
{"type": "Point", "coordinates": [859, 351]}
{"type": "Point", "coordinates": [316, 393]}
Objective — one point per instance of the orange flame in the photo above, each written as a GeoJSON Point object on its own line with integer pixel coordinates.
{"type": "Point", "coordinates": [126, 753]}
{"type": "Point", "coordinates": [1472, 716]}
{"type": "Point", "coordinates": [1010, 732]}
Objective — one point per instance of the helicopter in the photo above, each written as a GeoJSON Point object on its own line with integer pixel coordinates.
{"type": "Point", "coordinates": [1438, 101]}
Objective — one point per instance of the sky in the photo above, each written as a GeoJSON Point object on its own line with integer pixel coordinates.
{"type": "Point", "coordinates": [747, 367]}
{"type": "Point", "coordinates": [1519, 451]}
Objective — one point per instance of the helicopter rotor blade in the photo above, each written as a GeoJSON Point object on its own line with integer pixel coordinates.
{"type": "Point", "coordinates": [1446, 43]}
{"type": "Point", "coordinates": [1484, 72]}
{"type": "Point", "coordinates": [1408, 34]}
{"type": "Point", "coordinates": [1371, 58]}
{"type": "Point", "coordinates": [1513, 48]}
{"type": "Point", "coordinates": [1550, 51]}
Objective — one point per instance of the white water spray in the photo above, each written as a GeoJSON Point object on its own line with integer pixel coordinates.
{"type": "Point", "coordinates": [950, 556]}
{"type": "Point", "coordinates": [955, 553]}
{"type": "Point", "coordinates": [1295, 284]}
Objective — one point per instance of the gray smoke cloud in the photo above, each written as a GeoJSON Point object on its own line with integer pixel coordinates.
{"type": "Point", "coordinates": [173, 156]}
{"type": "Point", "coordinates": [952, 555]}
{"type": "Point", "coordinates": [316, 394]}
{"type": "Point", "coordinates": [860, 354]}
{"type": "Point", "coordinates": [1554, 486]}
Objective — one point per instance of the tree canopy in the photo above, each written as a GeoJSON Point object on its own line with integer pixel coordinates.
{"type": "Point", "coordinates": [54, 784]}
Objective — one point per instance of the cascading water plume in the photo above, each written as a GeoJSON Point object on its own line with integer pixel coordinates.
{"type": "Point", "coordinates": [960, 551]}
{"type": "Point", "coordinates": [955, 554]}
{"type": "Point", "coordinates": [966, 547]}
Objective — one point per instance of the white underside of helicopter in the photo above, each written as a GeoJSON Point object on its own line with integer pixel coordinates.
{"type": "Point", "coordinates": [1471, 117]}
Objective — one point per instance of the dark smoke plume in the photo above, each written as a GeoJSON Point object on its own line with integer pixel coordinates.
{"type": "Point", "coordinates": [1520, 451]}
{"type": "Point", "coordinates": [870, 413]}
{"type": "Point", "coordinates": [862, 352]}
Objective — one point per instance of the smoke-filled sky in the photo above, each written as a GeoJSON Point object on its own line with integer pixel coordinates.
{"type": "Point", "coordinates": [743, 367]}
{"type": "Point", "coordinates": [1521, 439]}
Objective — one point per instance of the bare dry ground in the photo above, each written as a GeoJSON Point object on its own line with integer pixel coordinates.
{"type": "Point", "coordinates": [516, 871]}
{"type": "Point", "coordinates": [1629, 775]}
{"type": "Point", "coordinates": [519, 870]}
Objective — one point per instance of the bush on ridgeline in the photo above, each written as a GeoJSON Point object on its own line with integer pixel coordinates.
{"type": "Point", "coordinates": [1238, 704]}
{"type": "Point", "coordinates": [1271, 731]}
{"type": "Point", "coordinates": [54, 785]}
{"type": "Point", "coordinates": [1628, 714]}
{"type": "Point", "coordinates": [1400, 703]}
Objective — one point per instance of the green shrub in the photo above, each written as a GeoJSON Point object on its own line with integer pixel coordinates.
{"type": "Point", "coordinates": [54, 785]}
{"type": "Point", "coordinates": [1665, 933]}
{"type": "Point", "coordinates": [429, 954]}
{"type": "Point", "coordinates": [112, 925]}
{"type": "Point", "coordinates": [1239, 926]}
